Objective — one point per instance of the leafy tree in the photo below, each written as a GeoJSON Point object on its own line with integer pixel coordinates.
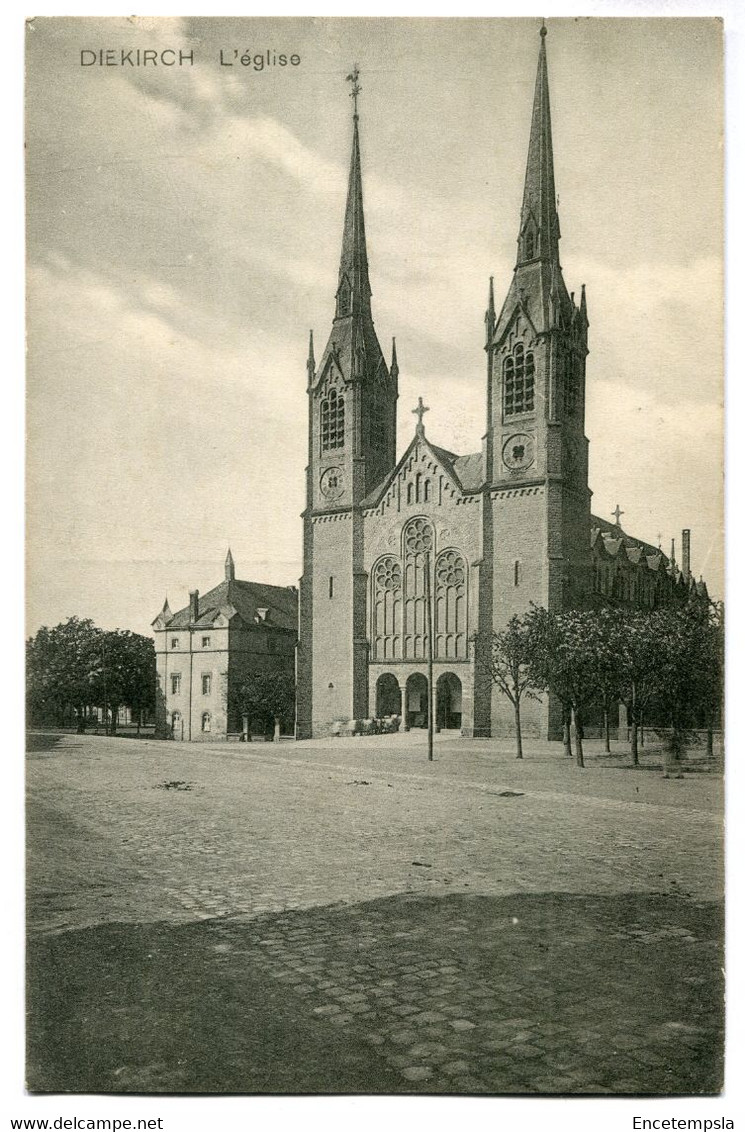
{"type": "Point", "coordinates": [639, 670]}
{"type": "Point", "coordinates": [690, 666]}
{"type": "Point", "coordinates": [127, 673]}
{"type": "Point", "coordinates": [265, 697]}
{"type": "Point", "coordinates": [564, 651]}
{"type": "Point", "coordinates": [75, 664]}
{"type": "Point", "coordinates": [607, 632]}
{"type": "Point", "coordinates": [63, 670]}
{"type": "Point", "coordinates": [507, 664]}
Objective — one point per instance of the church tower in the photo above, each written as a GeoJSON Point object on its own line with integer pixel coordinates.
{"type": "Point", "coordinates": [536, 499]}
{"type": "Point", "coordinates": [351, 447]}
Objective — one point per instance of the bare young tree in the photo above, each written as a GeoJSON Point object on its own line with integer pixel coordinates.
{"type": "Point", "coordinates": [506, 663]}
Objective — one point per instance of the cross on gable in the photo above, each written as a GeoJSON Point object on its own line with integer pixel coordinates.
{"type": "Point", "coordinates": [618, 513]}
{"type": "Point", "coordinates": [419, 412]}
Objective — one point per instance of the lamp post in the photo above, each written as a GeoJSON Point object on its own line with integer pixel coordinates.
{"type": "Point", "coordinates": [430, 650]}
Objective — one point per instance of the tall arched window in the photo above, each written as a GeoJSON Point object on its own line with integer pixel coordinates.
{"type": "Point", "coordinates": [451, 635]}
{"type": "Point", "coordinates": [519, 382]}
{"type": "Point", "coordinates": [206, 721]}
{"type": "Point", "coordinates": [386, 607]}
{"type": "Point", "coordinates": [332, 421]}
{"type": "Point", "coordinates": [418, 545]}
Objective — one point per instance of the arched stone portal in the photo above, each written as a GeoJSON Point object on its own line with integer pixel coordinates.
{"type": "Point", "coordinates": [416, 701]}
{"type": "Point", "coordinates": [449, 713]}
{"type": "Point", "coordinates": [387, 696]}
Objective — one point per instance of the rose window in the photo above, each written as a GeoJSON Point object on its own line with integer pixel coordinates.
{"type": "Point", "coordinates": [418, 537]}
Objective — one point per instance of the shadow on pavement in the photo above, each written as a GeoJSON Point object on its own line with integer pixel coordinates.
{"type": "Point", "coordinates": [542, 994]}
{"type": "Point", "coordinates": [47, 741]}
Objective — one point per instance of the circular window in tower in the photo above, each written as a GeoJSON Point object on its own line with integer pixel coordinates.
{"type": "Point", "coordinates": [518, 452]}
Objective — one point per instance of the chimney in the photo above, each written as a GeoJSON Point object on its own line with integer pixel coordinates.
{"type": "Point", "coordinates": [193, 605]}
{"type": "Point", "coordinates": [686, 553]}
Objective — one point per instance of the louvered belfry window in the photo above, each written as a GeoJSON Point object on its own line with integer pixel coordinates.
{"type": "Point", "coordinates": [332, 422]}
{"type": "Point", "coordinates": [519, 382]}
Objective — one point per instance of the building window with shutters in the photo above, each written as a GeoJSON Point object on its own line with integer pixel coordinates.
{"type": "Point", "coordinates": [175, 683]}
{"type": "Point", "coordinates": [206, 684]}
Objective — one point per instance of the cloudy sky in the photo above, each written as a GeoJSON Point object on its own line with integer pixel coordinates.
{"type": "Point", "coordinates": [184, 228]}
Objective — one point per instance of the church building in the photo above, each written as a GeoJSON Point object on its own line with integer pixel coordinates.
{"type": "Point", "coordinates": [448, 544]}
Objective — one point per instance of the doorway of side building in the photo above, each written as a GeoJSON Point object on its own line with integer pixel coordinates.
{"type": "Point", "coordinates": [387, 696]}
{"type": "Point", "coordinates": [177, 726]}
{"type": "Point", "coordinates": [449, 715]}
{"type": "Point", "coordinates": [416, 701]}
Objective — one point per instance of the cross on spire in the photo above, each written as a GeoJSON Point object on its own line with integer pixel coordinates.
{"type": "Point", "coordinates": [618, 513]}
{"type": "Point", "coordinates": [353, 78]}
{"type": "Point", "coordinates": [419, 412]}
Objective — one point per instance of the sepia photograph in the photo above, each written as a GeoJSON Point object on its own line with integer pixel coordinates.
{"type": "Point", "coordinates": [375, 556]}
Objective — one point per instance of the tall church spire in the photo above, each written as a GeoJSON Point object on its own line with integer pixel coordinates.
{"type": "Point", "coordinates": [539, 220]}
{"type": "Point", "coordinates": [353, 293]}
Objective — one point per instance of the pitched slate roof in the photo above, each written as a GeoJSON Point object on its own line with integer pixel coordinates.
{"type": "Point", "coordinates": [246, 598]}
{"type": "Point", "coordinates": [470, 470]}
{"type": "Point", "coordinates": [610, 532]}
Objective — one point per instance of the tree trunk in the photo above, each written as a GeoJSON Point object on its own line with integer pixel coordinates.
{"type": "Point", "coordinates": [634, 742]}
{"type": "Point", "coordinates": [80, 720]}
{"type": "Point", "coordinates": [518, 732]}
{"type": "Point", "coordinates": [567, 735]}
{"type": "Point", "coordinates": [641, 727]}
{"type": "Point", "coordinates": [606, 728]}
{"type": "Point", "coordinates": [578, 738]}
{"type": "Point", "coordinates": [710, 738]}
{"type": "Point", "coordinates": [634, 728]}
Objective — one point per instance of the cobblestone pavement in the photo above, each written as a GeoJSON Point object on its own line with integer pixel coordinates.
{"type": "Point", "coordinates": [473, 925]}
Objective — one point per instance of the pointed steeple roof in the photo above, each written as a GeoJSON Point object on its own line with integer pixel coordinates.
{"type": "Point", "coordinates": [538, 288]}
{"type": "Point", "coordinates": [353, 346]}
{"type": "Point", "coordinates": [394, 360]}
{"type": "Point", "coordinates": [229, 567]}
{"type": "Point", "coordinates": [539, 194]}
{"type": "Point", "coordinates": [353, 266]}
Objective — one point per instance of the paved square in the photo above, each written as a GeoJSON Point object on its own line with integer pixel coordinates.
{"type": "Point", "coordinates": [346, 917]}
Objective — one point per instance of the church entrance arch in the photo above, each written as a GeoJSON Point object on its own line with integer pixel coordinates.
{"type": "Point", "coordinates": [449, 713]}
{"type": "Point", "coordinates": [387, 696]}
{"type": "Point", "coordinates": [177, 726]}
{"type": "Point", "coordinates": [416, 701]}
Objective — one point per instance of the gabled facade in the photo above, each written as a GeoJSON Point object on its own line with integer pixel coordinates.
{"type": "Point", "coordinates": [227, 634]}
{"type": "Point", "coordinates": [497, 529]}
